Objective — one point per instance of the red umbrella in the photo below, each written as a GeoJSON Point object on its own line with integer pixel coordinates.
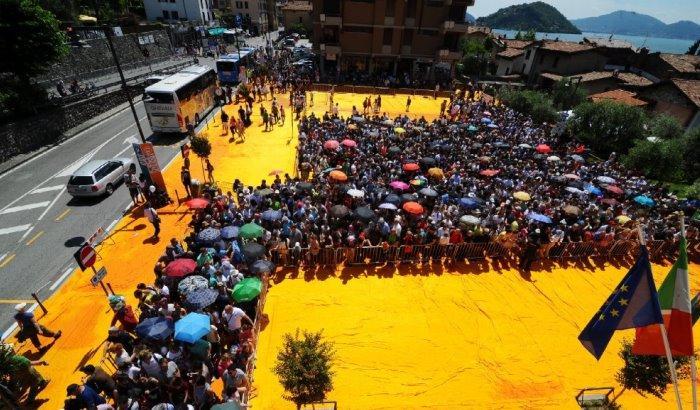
{"type": "Point", "coordinates": [614, 189]}
{"type": "Point", "coordinates": [331, 144]}
{"type": "Point", "coordinates": [411, 166]}
{"type": "Point", "coordinates": [609, 201]}
{"type": "Point", "coordinates": [197, 203]}
{"type": "Point", "coordinates": [413, 208]}
{"type": "Point", "coordinates": [349, 143]}
{"type": "Point", "coordinates": [543, 149]}
{"type": "Point", "coordinates": [180, 267]}
{"type": "Point", "coordinates": [490, 172]}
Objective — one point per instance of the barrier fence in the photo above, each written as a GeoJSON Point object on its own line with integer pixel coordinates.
{"type": "Point", "coordinates": [363, 89]}
{"type": "Point", "coordinates": [378, 255]}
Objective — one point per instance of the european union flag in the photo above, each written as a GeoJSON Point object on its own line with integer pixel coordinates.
{"type": "Point", "coordinates": [634, 303]}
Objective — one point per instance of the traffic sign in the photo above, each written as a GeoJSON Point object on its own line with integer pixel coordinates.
{"type": "Point", "coordinates": [85, 256]}
{"type": "Point", "coordinates": [98, 276]}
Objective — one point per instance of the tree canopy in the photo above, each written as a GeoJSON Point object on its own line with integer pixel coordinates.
{"type": "Point", "coordinates": [536, 104]}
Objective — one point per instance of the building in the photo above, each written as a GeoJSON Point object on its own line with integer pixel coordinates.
{"type": "Point", "coordinates": [253, 13]}
{"type": "Point", "coordinates": [677, 97]}
{"type": "Point", "coordinates": [172, 11]}
{"type": "Point", "coordinates": [513, 57]}
{"type": "Point", "coordinates": [393, 37]}
{"type": "Point", "coordinates": [595, 82]}
{"type": "Point", "coordinates": [480, 33]}
{"type": "Point", "coordinates": [619, 54]}
{"type": "Point", "coordinates": [565, 58]}
{"type": "Point", "coordinates": [664, 66]}
{"type": "Point", "coordinates": [298, 12]}
{"type": "Point", "coordinates": [620, 96]}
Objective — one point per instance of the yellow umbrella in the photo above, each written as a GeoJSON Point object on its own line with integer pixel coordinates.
{"type": "Point", "coordinates": [436, 172]}
{"type": "Point", "coordinates": [399, 130]}
{"type": "Point", "coordinates": [352, 127]}
{"type": "Point", "coordinates": [623, 219]}
{"type": "Point", "coordinates": [522, 196]}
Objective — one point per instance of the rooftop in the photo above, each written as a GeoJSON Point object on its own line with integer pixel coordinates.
{"type": "Point", "coordinates": [608, 43]}
{"type": "Point", "coordinates": [298, 6]}
{"type": "Point", "coordinates": [478, 29]}
{"type": "Point", "coordinates": [517, 43]}
{"type": "Point", "coordinates": [510, 53]}
{"type": "Point", "coordinates": [634, 79]}
{"type": "Point", "coordinates": [618, 95]}
{"type": "Point", "coordinates": [683, 63]}
{"type": "Point", "coordinates": [631, 79]}
{"type": "Point", "coordinates": [691, 89]}
{"type": "Point", "coordinates": [568, 47]}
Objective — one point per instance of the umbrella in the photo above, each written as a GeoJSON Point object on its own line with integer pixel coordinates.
{"type": "Point", "coordinates": [155, 328]}
{"type": "Point", "coordinates": [387, 205]}
{"type": "Point", "coordinates": [572, 176]}
{"type": "Point", "coordinates": [553, 158]}
{"type": "Point", "coordinates": [418, 182]}
{"type": "Point", "coordinates": [614, 189]}
{"type": "Point", "coordinates": [401, 186]}
{"type": "Point", "coordinates": [610, 201]}
{"type": "Point", "coordinates": [352, 126]}
{"type": "Point", "coordinates": [265, 192]}
{"type": "Point", "coordinates": [485, 158]}
{"type": "Point", "coordinates": [408, 197]}
{"type": "Point", "coordinates": [271, 215]}
{"type": "Point", "coordinates": [486, 121]}
{"type": "Point", "coordinates": [472, 128]}
{"type": "Point", "coordinates": [358, 118]}
{"type": "Point", "coordinates": [209, 235]}
{"type": "Point", "coordinates": [427, 161]}
{"type": "Point", "coordinates": [192, 283]}
{"type": "Point", "coordinates": [250, 231]}
{"type": "Point", "coordinates": [469, 203]}
{"type": "Point", "coordinates": [644, 200]}
{"type": "Point", "coordinates": [388, 122]}
{"type": "Point", "coordinates": [410, 167]}
{"type": "Point", "coordinates": [364, 213]}
{"type": "Point", "coordinates": [339, 211]}
{"type": "Point", "coordinates": [338, 176]}
{"type": "Point", "coordinates": [436, 173]}
{"type": "Point", "coordinates": [429, 192]}
{"type": "Point", "coordinates": [574, 190]}
{"type": "Point", "coordinates": [247, 290]}
{"type": "Point", "coordinates": [253, 251]}
{"type": "Point", "coordinates": [192, 327]}
{"type": "Point", "coordinates": [201, 298]}
{"type": "Point", "coordinates": [356, 193]}
{"type": "Point", "coordinates": [539, 218]}
{"type": "Point", "coordinates": [197, 203]}
{"type": "Point", "coordinates": [331, 144]}
{"type": "Point", "coordinates": [262, 266]}
{"type": "Point", "coordinates": [469, 220]}
{"type": "Point", "coordinates": [349, 143]}
{"type": "Point", "coordinates": [399, 130]}
{"type": "Point", "coordinates": [623, 219]}
{"type": "Point", "coordinates": [522, 196]}
{"type": "Point", "coordinates": [276, 172]}
{"type": "Point", "coordinates": [487, 113]}
{"type": "Point", "coordinates": [578, 158]}
{"type": "Point", "coordinates": [229, 232]}
{"type": "Point", "coordinates": [543, 149]}
{"type": "Point", "coordinates": [606, 180]}
{"type": "Point", "coordinates": [525, 145]}
{"type": "Point", "coordinates": [593, 190]}
{"type": "Point", "coordinates": [394, 150]}
{"type": "Point", "coordinates": [492, 125]}
{"type": "Point", "coordinates": [392, 199]}
{"type": "Point", "coordinates": [180, 267]}
{"type": "Point", "coordinates": [304, 186]}
{"type": "Point", "coordinates": [489, 172]}
{"type": "Point", "coordinates": [572, 210]}
{"type": "Point", "coordinates": [413, 208]}
{"type": "Point", "coordinates": [227, 406]}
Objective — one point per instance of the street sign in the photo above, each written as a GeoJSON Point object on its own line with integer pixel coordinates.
{"type": "Point", "coordinates": [85, 256]}
{"type": "Point", "coordinates": [98, 276]}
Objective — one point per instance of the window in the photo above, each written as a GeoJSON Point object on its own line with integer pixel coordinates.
{"type": "Point", "coordinates": [407, 37]}
{"type": "Point", "coordinates": [203, 18]}
{"type": "Point", "coordinates": [175, 15]}
{"type": "Point", "coordinates": [507, 70]}
{"type": "Point", "coordinates": [166, 14]}
{"type": "Point", "coordinates": [101, 173]}
{"type": "Point", "coordinates": [299, 20]}
{"type": "Point", "coordinates": [411, 9]}
{"type": "Point", "coordinates": [390, 6]}
{"type": "Point", "coordinates": [388, 36]}
{"type": "Point", "coordinates": [556, 61]}
{"type": "Point", "coordinates": [81, 180]}
{"type": "Point", "coordinates": [527, 55]}
{"type": "Point", "coordinates": [239, 4]}
{"type": "Point", "coordinates": [246, 4]}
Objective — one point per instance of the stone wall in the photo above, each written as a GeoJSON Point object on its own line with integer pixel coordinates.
{"type": "Point", "coordinates": [51, 125]}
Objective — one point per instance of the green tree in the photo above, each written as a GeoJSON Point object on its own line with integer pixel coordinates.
{"type": "Point", "coordinates": [657, 159]}
{"type": "Point", "coordinates": [529, 35]}
{"type": "Point", "coordinates": [518, 35]}
{"type": "Point", "coordinates": [608, 126]}
{"type": "Point", "coordinates": [474, 61]}
{"type": "Point", "coordinates": [691, 147]}
{"type": "Point", "coordinates": [693, 50]}
{"type": "Point", "coordinates": [567, 94]}
{"type": "Point", "coordinates": [304, 367]}
{"type": "Point", "coordinates": [536, 104]}
{"type": "Point", "coordinates": [648, 374]}
{"type": "Point", "coordinates": [665, 127]}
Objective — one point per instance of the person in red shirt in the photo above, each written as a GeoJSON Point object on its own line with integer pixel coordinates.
{"type": "Point", "coordinates": [123, 314]}
{"type": "Point", "coordinates": [456, 236]}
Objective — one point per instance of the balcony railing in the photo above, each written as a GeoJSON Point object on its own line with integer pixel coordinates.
{"type": "Point", "coordinates": [330, 20]}
{"type": "Point", "coordinates": [454, 26]}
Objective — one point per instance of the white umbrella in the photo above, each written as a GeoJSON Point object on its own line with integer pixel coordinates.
{"type": "Point", "coordinates": [574, 190]}
{"type": "Point", "coordinates": [553, 158]}
{"type": "Point", "coordinates": [356, 193]}
{"type": "Point", "coordinates": [525, 145]}
{"type": "Point", "coordinates": [469, 220]}
{"type": "Point", "coordinates": [387, 205]}
{"type": "Point", "coordinates": [606, 180]}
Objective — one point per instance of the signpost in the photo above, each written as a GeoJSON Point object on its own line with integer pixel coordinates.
{"type": "Point", "coordinates": [146, 156]}
{"type": "Point", "coordinates": [86, 257]}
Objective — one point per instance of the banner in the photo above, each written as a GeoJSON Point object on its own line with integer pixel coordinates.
{"type": "Point", "coordinates": [148, 161]}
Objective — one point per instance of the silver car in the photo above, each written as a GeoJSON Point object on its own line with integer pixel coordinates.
{"type": "Point", "coordinates": [98, 177]}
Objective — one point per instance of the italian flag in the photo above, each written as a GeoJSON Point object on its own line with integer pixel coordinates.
{"type": "Point", "coordinates": [674, 298]}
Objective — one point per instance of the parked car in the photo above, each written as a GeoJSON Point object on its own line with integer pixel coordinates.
{"type": "Point", "coordinates": [98, 177]}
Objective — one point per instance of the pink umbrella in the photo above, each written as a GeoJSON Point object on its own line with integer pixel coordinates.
{"type": "Point", "coordinates": [572, 176]}
{"type": "Point", "coordinates": [487, 113]}
{"type": "Point", "coordinates": [489, 172]}
{"type": "Point", "coordinates": [614, 189]}
{"type": "Point", "coordinates": [349, 143]}
{"type": "Point", "coordinates": [331, 144]}
{"type": "Point", "coordinates": [402, 186]}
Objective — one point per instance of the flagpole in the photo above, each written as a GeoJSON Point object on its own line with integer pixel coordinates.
{"type": "Point", "coordinates": [664, 337]}
{"type": "Point", "coordinates": [693, 365]}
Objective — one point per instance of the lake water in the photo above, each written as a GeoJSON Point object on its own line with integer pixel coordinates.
{"type": "Point", "coordinates": [664, 45]}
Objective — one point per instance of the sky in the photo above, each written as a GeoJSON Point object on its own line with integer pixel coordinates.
{"type": "Point", "coordinates": [668, 11]}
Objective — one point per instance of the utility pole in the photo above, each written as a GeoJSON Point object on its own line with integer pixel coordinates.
{"type": "Point", "coordinates": [108, 34]}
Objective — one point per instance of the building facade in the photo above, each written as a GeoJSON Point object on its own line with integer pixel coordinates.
{"type": "Point", "coordinates": [254, 14]}
{"type": "Point", "coordinates": [173, 11]}
{"type": "Point", "coordinates": [393, 37]}
{"type": "Point", "coordinates": [298, 13]}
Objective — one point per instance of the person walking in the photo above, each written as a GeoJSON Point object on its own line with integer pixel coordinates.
{"type": "Point", "coordinates": [27, 376]}
{"type": "Point", "coordinates": [282, 115]}
{"type": "Point", "coordinates": [210, 170]}
{"type": "Point", "coordinates": [408, 103]}
{"type": "Point", "coordinates": [186, 179]}
{"type": "Point", "coordinates": [132, 183]}
{"type": "Point", "coordinates": [30, 328]}
{"type": "Point", "coordinates": [224, 122]}
{"type": "Point", "coordinates": [153, 218]}
{"type": "Point", "coordinates": [265, 118]}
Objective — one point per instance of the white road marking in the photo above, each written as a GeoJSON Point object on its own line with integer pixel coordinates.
{"type": "Point", "coordinates": [24, 235]}
{"type": "Point", "coordinates": [61, 279]}
{"type": "Point", "coordinates": [51, 204]}
{"type": "Point", "coordinates": [13, 229]}
{"type": "Point", "coordinates": [47, 189]}
{"type": "Point", "coordinates": [24, 207]}
{"type": "Point", "coordinates": [109, 228]}
{"type": "Point", "coordinates": [125, 148]}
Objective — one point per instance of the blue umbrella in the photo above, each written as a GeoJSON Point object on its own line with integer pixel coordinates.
{"type": "Point", "coordinates": [262, 266]}
{"type": "Point", "coordinates": [539, 218]}
{"type": "Point", "coordinates": [492, 125]}
{"type": "Point", "coordinates": [644, 200]}
{"type": "Point", "coordinates": [209, 235]}
{"type": "Point", "coordinates": [486, 121]}
{"type": "Point", "coordinates": [192, 327]}
{"type": "Point", "coordinates": [155, 328]}
{"type": "Point", "coordinates": [229, 232]}
{"type": "Point", "coordinates": [468, 203]}
{"type": "Point", "coordinates": [201, 298]}
{"type": "Point", "coordinates": [271, 215]}
{"type": "Point", "coordinates": [593, 189]}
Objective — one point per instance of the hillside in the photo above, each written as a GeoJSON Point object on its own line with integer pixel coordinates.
{"type": "Point", "coordinates": [635, 24]}
{"type": "Point", "coordinates": [536, 16]}
{"type": "Point", "coordinates": [469, 18]}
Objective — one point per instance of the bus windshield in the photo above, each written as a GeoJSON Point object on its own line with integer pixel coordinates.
{"type": "Point", "coordinates": [225, 65]}
{"type": "Point", "coordinates": [161, 97]}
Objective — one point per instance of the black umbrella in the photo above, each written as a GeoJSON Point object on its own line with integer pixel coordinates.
{"type": "Point", "coordinates": [393, 199]}
{"type": "Point", "coordinates": [339, 211]}
{"type": "Point", "coordinates": [155, 328]}
{"type": "Point", "coordinates": [408, 197]}
{"type": "Point", "coordinates": [427, 161]}
{"type": "Point", "coordinates": [501, 144]}
{"type": "Point", "coordinates": [364, 213]}
{"type": "Point", "coordinates": [429, 192]}
{"type": "Point", "coordinates": [265, 192]}
{"type": "Point", "coordinates": [394, 150]}
{"type": "Point", "coordinates": [304, 186]}
{"type": "Point", "coordinates": [262, 266]}
{"type": "Point", "coordinates": [253, 251]}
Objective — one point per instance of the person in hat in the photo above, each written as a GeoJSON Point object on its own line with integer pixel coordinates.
{"type": "Point", "coordinates": [27, 376]}
{"type": "Point", "coordinates": [30, 328]}
{"type": "Point", "coordinates": [123, 313]}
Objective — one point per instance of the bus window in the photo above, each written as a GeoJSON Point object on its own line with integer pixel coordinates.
{"type": "Point", "coordinates": [225, 66]}
{"type": "Point", "coordinates": [161, 97]}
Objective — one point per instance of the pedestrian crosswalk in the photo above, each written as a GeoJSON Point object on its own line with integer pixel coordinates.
{"type": "Point", "coordinates": [25, 207]}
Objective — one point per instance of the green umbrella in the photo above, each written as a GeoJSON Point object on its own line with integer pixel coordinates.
{"type": "Point", "coordinates": [247, 289]}
{"type": "Point", "coordinates": [216, 31]}
{"type": "Point", "coordinates": [250, 231]}
{"type": "Point", "coordinates": [471, 128]}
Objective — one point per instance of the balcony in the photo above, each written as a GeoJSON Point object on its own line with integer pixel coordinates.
{"type": "Point", "coordinates": [388, 21]}
{"type": "Point", "coordinates": [329, 20]}
{"type": "Point", "coordinates": [448, 55]}
{"type": "Point", "coordinates": [455, 27]}
{"type": "Point", "coordinates": [409, 22]}
{"type": "Point", "coordinates": [406, 50]}
{"type": "Point", "coordinates": [330, 48]}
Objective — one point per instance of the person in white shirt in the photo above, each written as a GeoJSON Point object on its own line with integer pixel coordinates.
{"type": "Point", "coordinates": [152, 215]}
{"type": "Point", "coordinates": [232, 318]}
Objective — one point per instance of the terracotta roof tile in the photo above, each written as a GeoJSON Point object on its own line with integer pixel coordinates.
{"type": "Point", "coordinates": [683, 63]}
{"type": "Point", "coordinates": [604, 42]}
{"type": "Point", "coordinates": [516, 43]}
{"type": "Point", "coordinates": [634, 79]}
{"type": "Point", "coordinates": [566, 47]}
{"type": "Point", "coordinates": [691, 88]}
{"type": "Point", "coordinates": [622, 96]}
{"type": "Point", "coordinates": [510, 53]}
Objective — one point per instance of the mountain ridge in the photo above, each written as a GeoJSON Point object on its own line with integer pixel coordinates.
{"type": "Point", "coordinates": [537, 16]}
{"type": "Point", "coordinates": [638, 24]}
